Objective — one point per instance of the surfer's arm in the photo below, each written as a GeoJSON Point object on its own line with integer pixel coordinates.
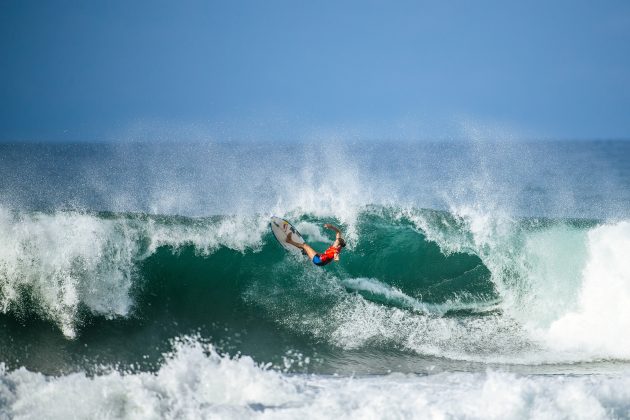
{"type": "Point", "coordinates": [335, 228]}
{"type": "Point", "coordinates": [332, 227]}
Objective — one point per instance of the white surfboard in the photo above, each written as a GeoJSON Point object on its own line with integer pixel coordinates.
{"type": "Point", "coordinates": [281, 229]}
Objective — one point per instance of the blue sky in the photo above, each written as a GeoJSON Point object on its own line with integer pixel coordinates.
{"type": "Point", "coordinates": [92, 70]}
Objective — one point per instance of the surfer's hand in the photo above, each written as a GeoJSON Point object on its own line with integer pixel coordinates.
{"type": "Point", "coordinates": [327, 225]}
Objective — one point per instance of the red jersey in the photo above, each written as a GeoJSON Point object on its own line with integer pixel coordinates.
{"type": "Point", "coordinates": [329, 254]}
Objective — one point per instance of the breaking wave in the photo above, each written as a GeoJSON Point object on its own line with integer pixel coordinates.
{"type": "Point", "coordinates": [460, 285]}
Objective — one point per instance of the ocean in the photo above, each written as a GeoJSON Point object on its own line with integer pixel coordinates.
{"type": "Point", "coordinates": [481, 280]}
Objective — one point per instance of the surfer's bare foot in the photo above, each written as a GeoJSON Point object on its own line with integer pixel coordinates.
{"type": "Point", "coordinates": [290, 241]}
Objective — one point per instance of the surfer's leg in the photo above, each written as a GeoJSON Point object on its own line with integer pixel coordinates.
{"type": "Point", "coordinates": [309, 251]}
{"type": "Point", "coordinates": [292, 242]}
{"type": "Point", "coordinates": [304, 247]}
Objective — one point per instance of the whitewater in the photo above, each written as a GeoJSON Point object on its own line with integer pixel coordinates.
{"type": "Point", "coordinates": [481, 280]}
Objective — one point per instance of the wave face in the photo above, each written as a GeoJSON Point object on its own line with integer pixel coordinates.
{"type": "Point", "coordinates": [457, 286]}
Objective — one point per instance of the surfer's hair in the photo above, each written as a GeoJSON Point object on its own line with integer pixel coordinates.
{"type": "Point", "coordinates": [342, 242]}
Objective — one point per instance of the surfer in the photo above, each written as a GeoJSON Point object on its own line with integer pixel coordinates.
{"type": "Point", "coordinates": [332, 253]}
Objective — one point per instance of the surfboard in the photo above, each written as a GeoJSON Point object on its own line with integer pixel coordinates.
{"type": "Point", "coordinates": [281, 229]}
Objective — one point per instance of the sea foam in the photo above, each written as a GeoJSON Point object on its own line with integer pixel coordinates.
{"type": "Point", "coordinates": [601, 318]}
{"type": "Point", "coordinates": [197, 382]}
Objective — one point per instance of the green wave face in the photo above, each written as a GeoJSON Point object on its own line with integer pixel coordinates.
{"type": "Point", "coordinates": [412, 286]}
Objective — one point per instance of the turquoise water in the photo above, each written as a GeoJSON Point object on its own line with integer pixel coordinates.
{"type": "Point", "coordinates": [134, 270]}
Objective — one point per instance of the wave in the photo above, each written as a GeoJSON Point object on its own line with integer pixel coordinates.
{"type": "Point", "coordinates": [461, 285]}
{"type": "Point", "coordinates": [59, 263]}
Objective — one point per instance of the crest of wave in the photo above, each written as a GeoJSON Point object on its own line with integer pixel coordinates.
{"type": "Point", "coordinates": [66, 261]}
{"type": "Point", "coordinates": [568, 286]}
